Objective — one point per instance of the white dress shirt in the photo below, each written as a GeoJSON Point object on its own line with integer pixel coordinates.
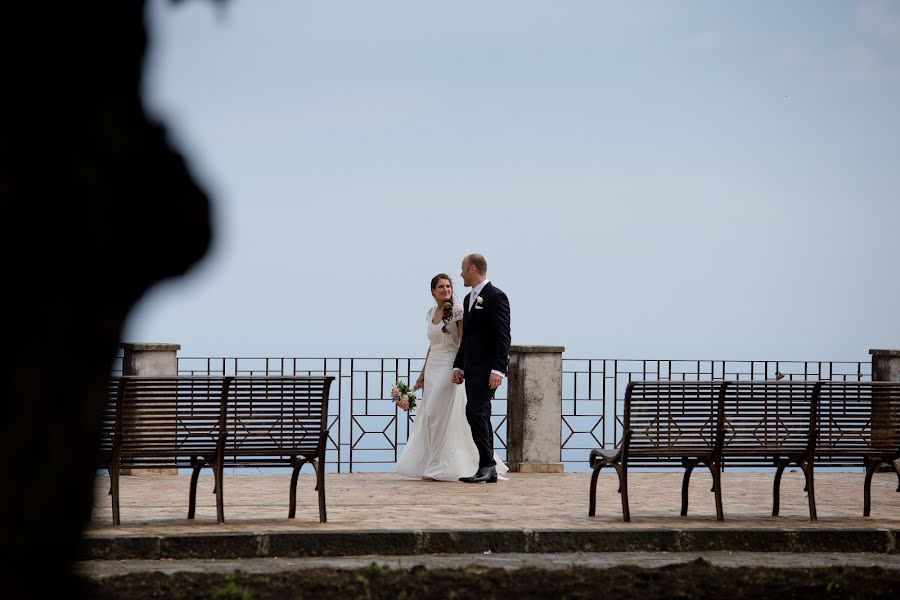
{"type": "Point", "coordinates": [475, 291]}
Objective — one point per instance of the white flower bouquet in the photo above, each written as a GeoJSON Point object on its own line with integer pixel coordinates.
{"type": "Point", "coordinates": [403, 396]}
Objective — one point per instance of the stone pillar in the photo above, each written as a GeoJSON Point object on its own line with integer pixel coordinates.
{"type": "Point", "coordinates": [885, 365]}
{"type": "Point", "coordinates": [151, 360]}
{"type": "Point", "coordinates": [534, 409]}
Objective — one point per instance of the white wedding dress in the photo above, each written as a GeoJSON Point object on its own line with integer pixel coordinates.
{"type": "Point", "coordinates": [440, 442]}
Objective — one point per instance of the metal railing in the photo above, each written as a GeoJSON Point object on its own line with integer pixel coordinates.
{"type": "Point", "coordinates": [593, 395]}
{"type": "Point", "coordinates": [368, 432]}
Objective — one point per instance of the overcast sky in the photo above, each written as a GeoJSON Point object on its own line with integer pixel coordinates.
{"type": "Point", "coordinates": [714, 180]}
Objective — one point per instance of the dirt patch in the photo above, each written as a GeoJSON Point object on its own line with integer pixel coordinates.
{"type": "Point", "coordinates": [698, 579]}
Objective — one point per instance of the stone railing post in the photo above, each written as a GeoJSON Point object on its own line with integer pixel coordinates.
{"type": "Point", "coordinates": [534, 409]}
{"type": "Point", "coordinates": [885, 367]}
{"type": "Point", "coordinates": [151, 360]}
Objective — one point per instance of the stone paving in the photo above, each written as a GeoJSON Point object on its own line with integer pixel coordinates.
{"type": "Point", "coordinates": [157, 505]}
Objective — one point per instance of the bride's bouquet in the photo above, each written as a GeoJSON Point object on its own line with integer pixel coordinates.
{"type": "Point", "coordinates": [403, 396]}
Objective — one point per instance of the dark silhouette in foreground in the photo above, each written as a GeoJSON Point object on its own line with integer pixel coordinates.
{"type": "Point", "coordinates": [96, 208]}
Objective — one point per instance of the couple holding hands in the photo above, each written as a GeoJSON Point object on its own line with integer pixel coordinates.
{"type": "Point", "coordinates": [452, 436]}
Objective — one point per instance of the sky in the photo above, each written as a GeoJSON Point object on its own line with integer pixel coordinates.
{"type": "Point", "coordinates": [655, 179]}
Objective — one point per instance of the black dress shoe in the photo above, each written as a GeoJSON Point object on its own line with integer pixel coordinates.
{"type": "Point", "coordinates": [484, 475]}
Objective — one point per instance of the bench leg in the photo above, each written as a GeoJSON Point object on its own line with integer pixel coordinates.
{"type": "Point", "coordinates": [114, 492]}
{"type": "Point", "coordinates": [717, 490]}
{"type": "Point", "coordinates": [810, 490]}
{"type": "Point", "coordinates": [685, 483]}
{"type": "Point", "coordinates": [192, 494]}
{"type": "Point", "coordinates": [623, 489]}
{"type": "Point", "coordinates": [776, 487]}
{"type": "Point", "coordinates": [319, 465]}
{"type": "Point", "coordinates": [219, 469]}
{"type": "Point", "coordinates": [592, 495]}
{"type": "Point", "coordinates": [292, 507]}
{"type": "Point", "coordinates": [622, 474]}
{"type": "Point", "coordinates": [867, 487]}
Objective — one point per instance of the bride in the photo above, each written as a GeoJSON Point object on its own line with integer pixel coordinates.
{"type": "Point", "coordinates": [440, 445]}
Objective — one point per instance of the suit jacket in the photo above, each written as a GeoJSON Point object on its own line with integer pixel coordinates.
{"type": "Point", "coordinates": [486, 336]}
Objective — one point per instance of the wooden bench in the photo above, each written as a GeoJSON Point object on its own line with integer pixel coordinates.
{"type": "Point", "coordinates": [859, 425]}
{"type": "Point", "coordinates": [665, 423]}
{"type": "Point", "coordinates": [279, 422]}
{"type": "Point", "coordinates": [107, 433]}
{"type": "Point", "coordinates": [170, 422]}
{"type": "Point", "coordinates": [772, 423]}
{"type": "Point", "coordinates": [690, 424]}
{"type": "Point", "coordinates": [196, 421]}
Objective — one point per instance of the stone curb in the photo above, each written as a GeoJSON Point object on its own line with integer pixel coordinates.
{"type": "Point", "coordinates": [400, 543]}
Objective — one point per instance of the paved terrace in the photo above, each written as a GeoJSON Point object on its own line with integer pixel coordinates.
{"type": "Point", "coordinates": [391, 515]}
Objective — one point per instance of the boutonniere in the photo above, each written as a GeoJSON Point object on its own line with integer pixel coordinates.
{"type": "Point", "coordinates": [479, 300]}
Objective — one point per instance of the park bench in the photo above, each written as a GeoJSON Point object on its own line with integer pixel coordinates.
{"type": "Point", "coordinates": [107, 426]}
{"type": "Point", "coordinates": [196, 421]}
{"type": "Point", "coordinates": [166, 423]}
{"type": "Point", "coordinates": [107, 436]}
{"type": "Point", "coordinates": [772, 423]}
{"type": "Point", "coordinates": [279, 422]}
{"type": "Point", "coordinates": [689, 424]}
{"type": "Point", "coordinates": [859, 425]}
{"type": "Point", "coordinates": [671, 424]}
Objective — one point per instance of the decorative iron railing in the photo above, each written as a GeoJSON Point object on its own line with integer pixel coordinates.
{"type": "Point", "coordinates": [367, 432]}
{"type": "Point", "coordinates": [593, 394]}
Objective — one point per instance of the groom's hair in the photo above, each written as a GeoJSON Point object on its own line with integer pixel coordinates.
{"type": "Point", "coordinates": [478, 262]}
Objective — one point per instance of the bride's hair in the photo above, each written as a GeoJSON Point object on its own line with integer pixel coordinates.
{"type": "Point", "coordinates": [448, 305]}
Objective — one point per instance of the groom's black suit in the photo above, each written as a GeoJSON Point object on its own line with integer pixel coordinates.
{"type": "Point", "coordinates": [484, 347]}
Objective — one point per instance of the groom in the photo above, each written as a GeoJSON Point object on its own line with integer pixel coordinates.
{"type": "Point", "coordinates": [482, 358]}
